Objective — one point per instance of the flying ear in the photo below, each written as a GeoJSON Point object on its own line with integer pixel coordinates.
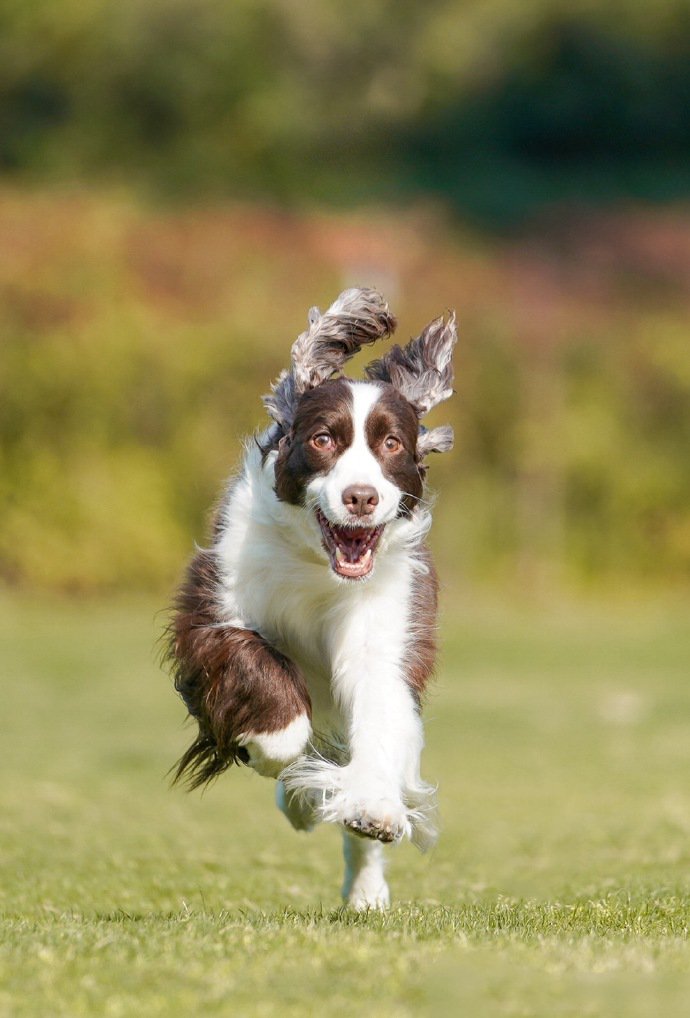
{"type": "Point", "coordinates": [422, 371]}
{"type": "Point", "coordinates": [436, 440]}
{"type": "Point", "coordinates": [357, 318]}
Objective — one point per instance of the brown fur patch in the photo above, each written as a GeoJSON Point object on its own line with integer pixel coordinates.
{"type": "Point", "coordinates": [391, 414]}
{"type": "Point", "coordinates": [232, 681]}
{"type": "Point", "coordinates": [421, 652]}
{"type": "Point", "coordinates": [327, 407]}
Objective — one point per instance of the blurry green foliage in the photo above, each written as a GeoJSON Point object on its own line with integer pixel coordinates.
{"type": "Point", "coordinates": [495, 105]}
{"type": "Point", "coordinates": [135, 347]}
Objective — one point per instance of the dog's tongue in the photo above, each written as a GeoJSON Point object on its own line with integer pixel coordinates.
{"type": "Point", "coordinates": [352, 552]}
{"type": "Point", "coordinates": [352, 544]}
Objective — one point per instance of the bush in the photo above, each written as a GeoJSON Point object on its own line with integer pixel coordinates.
{"type": "Point", "coordinates": [136, 346]}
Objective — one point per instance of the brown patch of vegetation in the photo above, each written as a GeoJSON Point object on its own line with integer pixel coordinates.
{"type": "Point", "coordinates": [159, 332]}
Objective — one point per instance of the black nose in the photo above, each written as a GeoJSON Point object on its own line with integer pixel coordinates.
{"type": "Point", "coordinates": [360, 499]}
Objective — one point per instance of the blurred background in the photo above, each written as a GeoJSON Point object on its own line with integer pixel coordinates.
{"type": "Point", "coordinates": [181, 179]}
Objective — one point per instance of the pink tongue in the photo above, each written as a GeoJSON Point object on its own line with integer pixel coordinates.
{"type": "Point", "coordinates": [352, 546]}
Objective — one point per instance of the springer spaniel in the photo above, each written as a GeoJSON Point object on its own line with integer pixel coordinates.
{"type": "Point", "coordinates": [304, 636]}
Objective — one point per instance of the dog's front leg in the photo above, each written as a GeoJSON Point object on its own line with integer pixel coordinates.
{"type": "Point", "coordinates": [378, 793]}
{"type": "Point", "coordinates": [385, 742]}
{"type": "Point", "coordinates": [250, 701]}
{"type": "Point", "coordinates": [365, 884]}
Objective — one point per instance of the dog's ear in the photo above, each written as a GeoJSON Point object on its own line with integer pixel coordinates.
{"type": "Point", "coordinates": [357, 318]}
{"type": "Point", "coordinates": [422, 371]}
{"type": "Point", "coordinates": [281, 401]}
{"type": "Point", "coordinates": [436, 440]}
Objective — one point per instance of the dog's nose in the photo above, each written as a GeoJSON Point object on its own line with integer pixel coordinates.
{"type": "Point", "coordinates": [360, 499]}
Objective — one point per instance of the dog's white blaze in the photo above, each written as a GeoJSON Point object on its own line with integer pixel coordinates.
{"type": "Point", "coordinates": [357, 465]}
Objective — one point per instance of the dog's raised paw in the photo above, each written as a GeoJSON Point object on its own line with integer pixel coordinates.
{"type": "Point", "coordinates": [387, 828]}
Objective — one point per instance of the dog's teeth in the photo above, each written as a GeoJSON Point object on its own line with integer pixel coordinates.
{"type": "Point", "coordinates": [365, 557]}
{"type": "Point", "coordinates": [339, 555]}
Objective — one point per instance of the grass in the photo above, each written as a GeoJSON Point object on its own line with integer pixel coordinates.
{"type": "Point", "coordinates": [560, 738]}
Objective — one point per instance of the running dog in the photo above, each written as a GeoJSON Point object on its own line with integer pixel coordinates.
{"type": "Point", "coordinates": [303, 638]}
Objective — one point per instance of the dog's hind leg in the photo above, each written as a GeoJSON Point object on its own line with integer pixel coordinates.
{"type": "Point", "coordinates": [365, 884]}
{"type": "Point", "coordinates": [299, 809]}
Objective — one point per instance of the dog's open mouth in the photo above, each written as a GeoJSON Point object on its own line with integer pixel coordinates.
{"type": "Point", "coordinates": [351, 549]}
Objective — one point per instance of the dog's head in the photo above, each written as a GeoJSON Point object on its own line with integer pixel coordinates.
{"type": "Point", "coordinates": [352, 452]}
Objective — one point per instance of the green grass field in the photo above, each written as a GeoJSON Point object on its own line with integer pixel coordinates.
{"type": "Point", "coordinates": [560, 739]}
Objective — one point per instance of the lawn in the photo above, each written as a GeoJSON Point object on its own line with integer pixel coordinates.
{"type": "Point", "coordinates": [560, 739]}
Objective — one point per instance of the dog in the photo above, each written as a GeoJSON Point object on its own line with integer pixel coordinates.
{"type": "Point", "coordinates": [304, 637]}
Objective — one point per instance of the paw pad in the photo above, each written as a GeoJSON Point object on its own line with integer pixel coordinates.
{"type": "Point", "coordinates": [380, 830]}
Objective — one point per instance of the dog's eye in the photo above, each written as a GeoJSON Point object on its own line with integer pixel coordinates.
{"type": "Point", "coordinates": [322, 441]}
{"type": "Point", "coordinates": [391, 443]}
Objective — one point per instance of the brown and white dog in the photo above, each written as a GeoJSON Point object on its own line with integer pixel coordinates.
{"type": "Point", "coordinates": [304, 636]}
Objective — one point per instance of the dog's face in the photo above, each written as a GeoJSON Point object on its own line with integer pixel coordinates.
{"type": "Point", "coordinates": [351, 459]}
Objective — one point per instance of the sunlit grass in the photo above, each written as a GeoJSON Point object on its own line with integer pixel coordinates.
{"type": "Point", "coordinates": [560, 739]}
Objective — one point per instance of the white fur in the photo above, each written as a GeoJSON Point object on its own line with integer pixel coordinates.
{"type": "Point", "coordinates": [365, 884]}
{"type": "Point", "coordinates": [299, 811]}
{"type": "Point", "coordinates": [350, 640]}
{"type": "Point", "coordinates": [384, 732]}
{"type": "Point", "coordinates": [271, 752]}
{"type": "Point", "coordinates": [357, 465]}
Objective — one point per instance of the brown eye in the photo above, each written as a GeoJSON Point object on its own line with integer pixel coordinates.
{"type": "Point", "coordinates": [322, 441]}
{"type": "Point", "coordinates": [391, 443]}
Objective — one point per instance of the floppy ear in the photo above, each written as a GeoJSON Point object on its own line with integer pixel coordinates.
{"type": "Point", "coordinates": [357, 318]}
{"type": "Point", "coordinates": [422, 372]}
{"type": "Point", "coordinates": [437, 440]}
